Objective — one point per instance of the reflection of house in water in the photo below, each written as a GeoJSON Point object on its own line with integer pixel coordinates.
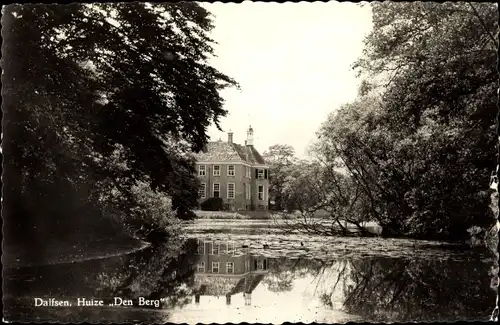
{"type": "Point", "coordinates": [225, 271]}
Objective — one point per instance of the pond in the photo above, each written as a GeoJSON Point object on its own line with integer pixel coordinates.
{"type": "Point", "coordinates": [246, 271]}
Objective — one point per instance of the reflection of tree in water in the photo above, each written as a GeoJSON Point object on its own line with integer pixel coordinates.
{"type": "Point", "coordinates": [283, 271]}
{"type": "Point", "coordinates": [281, 282]}
{"type": "Point", "coordinates": [326, 299]}
{"type": "Point", "coordinates": [164, 270]}
{"type": "Point", "coordinates": [331, 285]}
{"type": "Point", "coordinates": [386, 289]}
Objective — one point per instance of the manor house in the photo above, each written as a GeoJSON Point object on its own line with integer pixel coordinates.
{"type": "Point", "coordinates": [236, 173]}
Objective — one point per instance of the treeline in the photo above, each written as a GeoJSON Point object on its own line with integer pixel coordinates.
{"type": "Point", "coordinates": [416, 149]}
{"type": "Point", "coordinates": [102, 104]}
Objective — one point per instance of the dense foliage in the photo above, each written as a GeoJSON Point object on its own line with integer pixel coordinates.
{"type": "Point", "coordinates": [421, 146]}
{"type": "Point", "coordinates": [96, 98]}
{"type": "Point", "coordinates": [279, 158]}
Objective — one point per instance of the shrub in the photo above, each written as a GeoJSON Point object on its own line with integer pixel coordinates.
{"type": "Point", "coordinates": [212, 204]}
{"type": "Point", "coordinates": [153, 218]}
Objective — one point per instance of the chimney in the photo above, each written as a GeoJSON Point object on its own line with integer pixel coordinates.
{"type": "Point", "coordinates": [249, 141]}
{"type": "Point", "coordinates": [230, 136]}
{"type": "Point", "coordinates": [248, 299]}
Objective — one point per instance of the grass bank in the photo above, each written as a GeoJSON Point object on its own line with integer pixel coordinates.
{"type": "Point", "coordinates": [225, 215]}
{"type": "Point", "coordinates": [55, 251]}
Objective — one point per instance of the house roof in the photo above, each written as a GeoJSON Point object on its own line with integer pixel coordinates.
{"type": "Point", "coordinates": [227, 151]}
{"type": "Point", "coordinates": [221, 286]}
{"type": "Point", "coordinates": [249, 285]}
{"type": "Point", "coordinates": [214, 285]}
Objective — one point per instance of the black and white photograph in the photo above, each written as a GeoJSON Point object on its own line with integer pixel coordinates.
{"type": "Point", "coordinates": [250, 162]}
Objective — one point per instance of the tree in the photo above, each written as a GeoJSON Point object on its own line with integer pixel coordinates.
{"type": "Point", "coordinates": [279, 157]}
{"type": "Point", "coordinates": [98, 97]}
{"type": "Point", "coordinates": [445, 95]}
{"type": "Point", "coordinates": [324, 198]}
{"type": "Point", "coordinates": [312, 189]}
{"type": "Point", "coordinates": [423, 151]}
{"type": "Point", "coordinates": [301, 186]}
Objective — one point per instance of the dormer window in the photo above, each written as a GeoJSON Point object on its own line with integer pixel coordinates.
{"type": "Point", "coordinates": [216, 170]}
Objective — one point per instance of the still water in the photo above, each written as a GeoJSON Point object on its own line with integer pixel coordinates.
{"type": "Point", "coordinates": [247, 272]}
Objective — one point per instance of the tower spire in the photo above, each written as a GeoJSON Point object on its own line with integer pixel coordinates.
{"type": "Point", "coordinates": [249, 141]}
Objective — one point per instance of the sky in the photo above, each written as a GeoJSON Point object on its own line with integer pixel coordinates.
{"type": "Point", "coordinates": [293, 63]}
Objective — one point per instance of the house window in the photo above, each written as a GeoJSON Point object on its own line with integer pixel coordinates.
{"type": "Point", "coordinates": [230, 170]}
{"type": "Point", "coordinates": [216, 190]}
{"type": "Point", "coordinates": [216, 170]}
{"type": "Point", "coordinates": [215, 267]}
{"type": "Point", "coordinates": [203, 191]}
{"type": "Point", "coordinates": [202, 170]}
{"type": "Point", "coordinates": [261, 192]}
{"type": "Point", "coordinates": [260, 265]}
{"type": "Point", "coordinates": [201, 267]}
{"type": "Point", "coordinates": [230, 248]}
{"type": "Point", "coordinates": [229, 267]}
{"type": "Point", "coordinates": [215, 249]}
{"type": "Point", "coordinates": [260, 173]}
{"type": "Point", "coordinates": [230, 190]}
{"type": "Point", "coordinates": [201, 247]}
